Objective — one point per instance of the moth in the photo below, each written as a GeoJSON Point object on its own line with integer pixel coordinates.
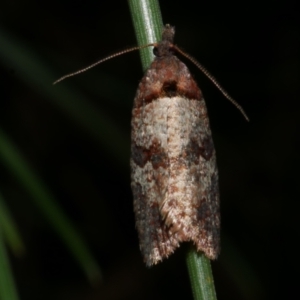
{"type": "Point", "coordinates": [174, 176]}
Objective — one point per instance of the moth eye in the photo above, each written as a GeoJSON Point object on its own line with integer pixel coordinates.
{"type": "Point", "coordinates": [155, 51]}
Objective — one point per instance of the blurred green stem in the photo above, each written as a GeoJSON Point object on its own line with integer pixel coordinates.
{"type": "Point", "coordinates": [7, 286]}
{"type": "Point", "coordinates": [48, 206]}
{"type": "Point", "coordinates": [9, 229]}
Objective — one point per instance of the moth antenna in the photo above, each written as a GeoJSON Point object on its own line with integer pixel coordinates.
{"type": "Point", "coordinates": [213, 80]}
{"type": "Point", "coordinates": [103, 60]}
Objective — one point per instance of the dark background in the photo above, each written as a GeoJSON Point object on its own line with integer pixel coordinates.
{"type": "Point", "coordinates": [252, 48]}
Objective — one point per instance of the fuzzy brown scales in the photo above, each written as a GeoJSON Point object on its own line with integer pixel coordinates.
{"type": "Point", "coordinates": [174, 173]}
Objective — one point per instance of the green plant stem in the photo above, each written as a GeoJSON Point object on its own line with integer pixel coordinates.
{"type": "Point", "coordinates": [201, 277]}
{"type": "Point", "coordinates": [43, 198]}
{"type": "Point", "coordinates": [147, 21]}
{"type": "Point", "coordinates": [8, 289]}
{"type": "Point", "coordinates": [15, 54]}
{"type": "Point", "coordinates": [9, 229]}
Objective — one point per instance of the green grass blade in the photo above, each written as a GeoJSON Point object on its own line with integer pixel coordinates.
{"type": "Point", "coordinates": [9, 229]}
{"type": "Point", "coordinates": [147, 21]}
{"type": "Point", "coordinates": [48, 206]}
{"type": "Point", "coordinates": [201, 277]}
{"type": "Point", "coordinates": [38, 75]}
{"type": "Point", "coordinates": [8, 289]}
